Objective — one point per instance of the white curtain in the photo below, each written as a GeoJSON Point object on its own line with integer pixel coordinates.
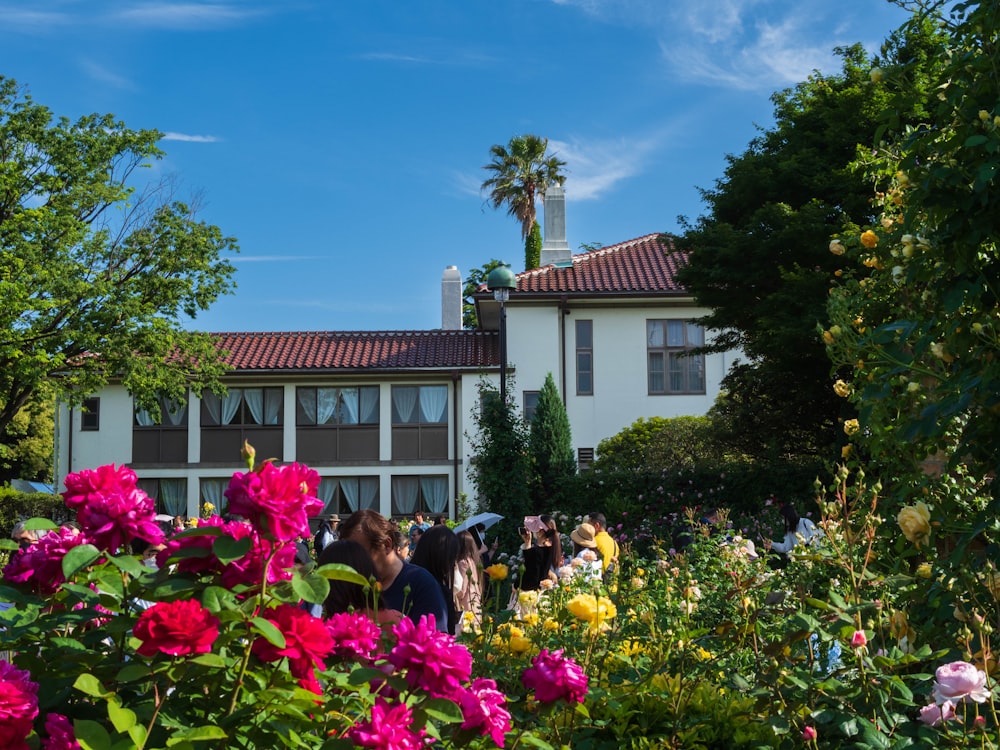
{"type": "Point", "coordinates": [272, 405]}
{"type": "Point", "coordinates": [173, 496]}
{"type": "Point", "coordinates": [349, 489]}
{"type": "Point", "coordinates": [212, 492]}
{"type": "Point", "coordinates": [143, 418]}
{"type": "Point", "coordinates": [433, 402]}
{"type": "Point", "coordinates": [255, 401]}
{"type": "Point", "coordinates": [174, 412]}
{"type": "Point", "coordinates": [369, 406]}
{"type": "Point", "coordinates": [404, 495]}
{"type": "Point", "coordinates": [435, 491]}
{"type": "Point", "coordinates": [404, 399]}
{"type": "Point", "coordinates": [213, 406]}
{"type": "Point", "coordinates": [326, 405]}
{"type": "Point", "coordinates": [231, 405]}
{"type": "Point", "coordinates": [307, 398]}
{"type": "Point", "coordinates": [349, 402]}
{"type": "Point", "coordinates": [326, 491]}
{"type": "Point", "coordinates": [369, 492]}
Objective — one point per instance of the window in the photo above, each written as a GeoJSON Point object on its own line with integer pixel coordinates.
{"type": "Point", "coordinates": [671, 367]}
{"type": "Point", "coordinates": [242, 406]}
{"type": "Point", "coordinates": [170, 495]}
{"type": "Point", "coordinates": [90, 415]}
{"type": "Point", "coordinates": [213, 493]}
{"type": "Point", "coordinates": [584, 458]}
{"type": "Point", "coordinates": [163, 440]}
{"type": "Point", "coordinates": [584, 358]}
{"type": "Point", "coordinates": [172, 414]}
{"type": "Point", "coordinates": [336, 406]}
{"type": "Point", "coordinates": [344, 495]}
{"type": "Point", "coordinates": [425, 493]}
{"type": "Point", "coordinates": [530, 405]}
{"type": "Point", "coordinates": [419, 422]}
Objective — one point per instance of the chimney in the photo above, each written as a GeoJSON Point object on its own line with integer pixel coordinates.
{"type": "Point", "coordinates": [451, 299]}
{"type": "Point", "coordinates": [555, 249]}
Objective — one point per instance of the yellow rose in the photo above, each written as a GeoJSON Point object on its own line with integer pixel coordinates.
{"type": "Point", "coordinates": [869, 239]}
{"type": "Point", "coordinates": [583, 606]}
{"type": "Point", "coordinates": [837, 247]}
{"type": "Point", "coordinates": [915, 522]}
{"type": "Point", "coordinates": [519, 644]}
{"type": "Point", "coordinates": [551, 625]}
{"type": "Point", "coordinates": [924, 570]}
{"type": "Point", "coordinates": [877, 75]}
{"type": "Point", "coordinates": [497, 571]}
{"type": "Point", "coordinates": [842, 389]}
{"type": "Point", "coordinates": [984, 115]}
{"type": "Point", "coordinates": [827, 337]}
{"type": "Point", "coordinates": [851, 426]}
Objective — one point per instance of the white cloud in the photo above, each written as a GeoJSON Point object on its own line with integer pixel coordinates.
{"type": "Point", "coordinates": [106, 76]}
{"type": "Point", "coordinates": [185, 15]}
{"type": "Point", "coordinates": [17, 19]}
{"type": "Point", "coordinates": [594, 168]}
{"type": "Point", "coordinates": [191, 138]}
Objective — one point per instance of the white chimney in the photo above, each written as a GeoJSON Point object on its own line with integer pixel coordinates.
{"type": "Point", "coordinates": [555, 249]}
{"type": "Point", "coordinates": [451, 299]}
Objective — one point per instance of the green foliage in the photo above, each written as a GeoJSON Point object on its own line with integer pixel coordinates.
{"type": "Point", "coordinates": [94, 274]}
{"type": "Point", "coordinates": [26, 447]}
{"type": "Point", "coordinates": [500, 464]}
{"type": "Point", "coordinates": [521, 171]}
{"type": "Point", "coordinates": [475, 279]}
{"type": "Point", "coordinates": [550, 446]}
{"type": "Point", "coordinates": [659, 443]}
{"type": "Point", "coordinates": [533, 247]}
{"type": "Point", "coordinates": [17, 506]}
{"type": "Point", "coordinates": [759, 262]}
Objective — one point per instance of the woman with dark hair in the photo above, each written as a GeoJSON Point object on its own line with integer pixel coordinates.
{"type": "Point", "coordinates": [539, 552]}
{"type": "Point", "coordinates": [438, 553]}
{"type": "Point", "coordinates": [346, 596]}
{"type": "Point", "coordinates": [469, 579]}
{"type": "Point", "coordinates": [798, 530]}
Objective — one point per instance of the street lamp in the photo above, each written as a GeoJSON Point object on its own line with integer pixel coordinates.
{"type": "Point", "coordinates": [500, 281]}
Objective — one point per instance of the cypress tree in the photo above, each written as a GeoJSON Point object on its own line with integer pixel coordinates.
{"type": "Point", "coordinates": [533, 247]}
{"type": "Point", "coordinates": [551, 446]}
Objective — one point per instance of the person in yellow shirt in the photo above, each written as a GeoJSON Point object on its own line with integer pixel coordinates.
{"type": "Point", "coordinates": [607, 546]}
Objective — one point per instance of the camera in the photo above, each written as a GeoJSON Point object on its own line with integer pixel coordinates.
{"type": "Point", "coordinates": [521, 530]}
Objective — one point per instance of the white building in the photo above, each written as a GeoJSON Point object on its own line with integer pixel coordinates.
{"type": "Point", "coordinates": [383, 416]}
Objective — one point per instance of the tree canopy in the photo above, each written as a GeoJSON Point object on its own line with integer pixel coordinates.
{"type": "Point", "coordinates": [758, 258]}
{"type": "Point", "coordinates": [520, 173]}
{"type": "Point", "coordinates": [95, 270]}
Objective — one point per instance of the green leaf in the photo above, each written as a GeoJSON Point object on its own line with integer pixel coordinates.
{"type": "Point", "coordinates": [79, 557]}
{"type": "Point", "coordinates": [91, 735]}
{"type": "Point", "coordinates": [975, 140]}
{"type": "Point", "coordinates": [267, 629]}
{"type": "Point", "coordinates": [442, 709]}
{"type": "Point", "coordinates": [311, 588]}
{"type": "Point", "coordinates": [216, 599]}
{"type": "Point", "coordinates": [209, 660]}
{"type": "Point", "coordinates": [227, 549]}
{"type": "Point", "coordinates": [39, 524]}
{"type": "Point", "coordinates": [129, 564]}
{"type": "Point", "coordinates": [132, 672]}
{"type": "Point", "coordinates": [138, 734]}
{"type": "Point", "coordinates": [123, 719]}
{"type": "Point", "coordinates": [198, 734]}
{"type": "Point", "coordinates": [90, 685]}
{"type": "Point", "coordinates": [341, 572]}
{"type": "Point", "coordinates": [529, 739]}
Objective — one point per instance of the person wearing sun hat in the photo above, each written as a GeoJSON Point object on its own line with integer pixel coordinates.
{"type": "Point", "coordinates": [586, 556]}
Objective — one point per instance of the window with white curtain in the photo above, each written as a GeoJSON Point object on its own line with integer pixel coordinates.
{"type": "Point", "coordinates": [172, 414]}
{"type": "Point", "coordinates": [213, 491]}
{"type": "Point", "coordinates": [427, 493]}
{"type": "Point", "coordinates": [419, 404]}
{"type": "Point", "coordinates": [242, 407]}
{"type": "Point", "coordinates": [354, 405]}
{"type": "Point", "coordinates": [672, 365]}
{"type": "Point", "coordinates": [344, 495]}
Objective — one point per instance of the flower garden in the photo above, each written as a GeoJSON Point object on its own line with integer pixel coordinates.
{"type": "Point", "coordinates": [863, 639]}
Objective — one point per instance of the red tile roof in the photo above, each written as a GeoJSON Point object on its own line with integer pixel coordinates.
{"type": "Point", "coordinates": [644, 266]}
{"type": "Point", "coordinates": [360, 350]}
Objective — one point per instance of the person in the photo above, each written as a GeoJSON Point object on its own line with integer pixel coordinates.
{"type": "Point", "coordinates": [538, 550]}
{"type": "Point", "coordinates": [438, 553]}
{"type": "Point", "coordinates": [23, 536]}
{"type": "Point", "coordinates": [469, 580]}
{"type": "Point", "coordinates": [402, 545]}
{"type": "Point", "coordinates": [798, 530]}
{"type": "Point", "coordinates": [347, 596]}
{"type": "Point", "coordinates": [326, 534]}
{"type": "Point", "coordinates": [606, 544]}
{"type": "Point", "coordinates": [586, 556]}
{"type": "Point", "coordinates": [406, 588]}
{"type": "Point", "coordinates": [418, 527]}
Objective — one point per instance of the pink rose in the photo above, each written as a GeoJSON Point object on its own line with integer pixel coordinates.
{"type": "Point", "coordinates": [307, 643]}
{"type": "Point", "coordinates": [18, 706]}
{"type": "Point", "coordinates": [111, 510]}
{"type": "Point", "coordinates": [554, 677]}
{"type": "Point", "coordinates": [960, 680]}
{"type": "Point", "coordinates": [485, 708]}
{"type": "Point", "coordinates": [180, 628]}
{"type": "Point", "coordinates": [279, 500]}
{"type": "Point", "coordinates": [434, 661]}
{"type": "Point", "coordinates": [859, 639]}
{"type": "Point", "coordinates": [809, 733]}
{"type": "Point", "coordinates": [389, 729]}
{"type": "Point", "coordinates": [41, 563]}
{"type": "Point", "coordinates": [61, 734]}
{"type": "Point", "coordinates": [934, 714]}
{"type": "Point", "coordinates": [356, 637]}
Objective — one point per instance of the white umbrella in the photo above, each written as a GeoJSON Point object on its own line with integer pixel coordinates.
{"type": "Point", "coordinates": [486, 519]}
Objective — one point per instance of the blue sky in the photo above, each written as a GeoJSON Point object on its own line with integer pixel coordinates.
{"type": "Point", "coordinates": [342, 143]}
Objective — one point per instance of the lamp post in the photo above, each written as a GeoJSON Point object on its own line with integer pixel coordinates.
{"type": "Point", "coordinates": [501, 280]}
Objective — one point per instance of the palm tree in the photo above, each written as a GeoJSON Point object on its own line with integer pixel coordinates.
{"type": "Point", "coordinates": [521, 171]}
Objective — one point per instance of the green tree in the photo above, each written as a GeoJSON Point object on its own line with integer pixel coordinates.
{"type": "Point", "coordinates": [94, 273]}
{"type": "Point", "coordinates": [918, 318]}
{"type": "Point", "coordinates": [758, 260]}
{"type": "Point", "coordinates": [475, 279]}
{"type": "Point", "coordinates": [550, 444]}
{"type": "Point", "coordinates": [26, 447]}
{"type": "Point", "coordinates": [500, 462]}
{"type": "Point", "coordinates": [658, 443]}
{"type": "Point", "coordinates": [520, 173]}
{"type": "Point", "coordinates": [533, 247]}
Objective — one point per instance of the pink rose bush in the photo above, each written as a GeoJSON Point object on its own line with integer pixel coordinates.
{"type": "Point", "coordinates": [60, 734]}
{"type": "Point", "coordinates": [180, 628]}
{"type": "Point", "coordinates": [278, 500]}
{"type": "Point", "coordinates": [555, 677]}
{"type": "Point", "coordinates": [18, 706]}
{"type": "Point", "coordinates": [110, 508]}
{"type": "Point", "coordinates": [960, 681]}
{"type": "Point", "coordinates": [40, 564]}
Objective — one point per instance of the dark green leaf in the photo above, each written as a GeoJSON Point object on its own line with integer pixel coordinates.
{"type": "Point", "coordinates": [79, 557]}
{"type": "Point", "coordinates": [227, 549]}
{"type": "Point", "coordinates": [91, 735]}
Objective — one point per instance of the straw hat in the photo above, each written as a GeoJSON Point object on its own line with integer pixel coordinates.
{"type": "Point", "coordinates": [584, 535]}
